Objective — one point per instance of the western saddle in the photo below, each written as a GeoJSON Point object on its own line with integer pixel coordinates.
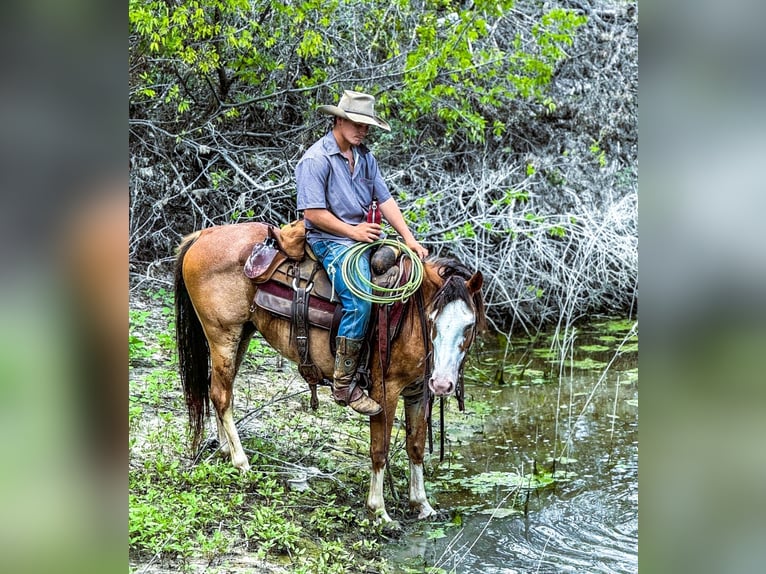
{"type": "Point", "coordinates": [292, 284]}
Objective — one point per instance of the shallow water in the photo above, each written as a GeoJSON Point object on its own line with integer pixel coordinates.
{"type": "Point", "coordinates": [585, 415]}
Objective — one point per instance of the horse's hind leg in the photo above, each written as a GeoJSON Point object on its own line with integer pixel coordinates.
{"type": "Point", "coordinates": [247, 333]}
{"type": "Point", "coordinates": [226, 353]}
{"type": "Point", "coordinates": [416, 439]}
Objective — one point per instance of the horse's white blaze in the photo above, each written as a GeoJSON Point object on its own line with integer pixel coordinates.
{"type": "Point", "coordinates": [450, 326]}
{"type": "Point", "coordinates": [375, 496]}
{"type": "Point", "coordinates": [238, 456]}
{"type": "Point", "coordinates": [418, 492]}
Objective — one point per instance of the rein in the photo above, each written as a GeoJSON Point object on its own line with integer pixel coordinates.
{"type": "Point", "coordinates": [428, 396]}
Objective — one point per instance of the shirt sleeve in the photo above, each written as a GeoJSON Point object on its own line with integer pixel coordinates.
{"type": "Point", "coordinates": [379, 186]}
{"type": "Point", "coordinates": [311, 176]}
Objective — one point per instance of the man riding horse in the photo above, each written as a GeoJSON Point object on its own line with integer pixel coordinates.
{"type": "Point", "coordinates": [217, 310]}
{"type": "Point", "coordinates": [342, 195]}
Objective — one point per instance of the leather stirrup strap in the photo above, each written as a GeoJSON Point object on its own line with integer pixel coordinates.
{"type": "Point", "coordinates": [363, 374]}
{"type": "Point", "coordinates": [389, 313]}
{"type": "Point", "coordinates": [306, 367]}
{"type": "Point", "coordinates": [384, 342]}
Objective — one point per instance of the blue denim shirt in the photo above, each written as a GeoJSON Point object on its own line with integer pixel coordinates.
{"type": "Point", "coordinates": [325, 182]}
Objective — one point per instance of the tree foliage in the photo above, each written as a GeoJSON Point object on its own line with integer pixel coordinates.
{"type": "Point", "coordinates": [538, 99]}
{"type": "Point", "coordinates": [434, 64]}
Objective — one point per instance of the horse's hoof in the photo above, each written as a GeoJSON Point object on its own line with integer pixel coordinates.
{"type": "Point", "coordinates": [427, 513]}
{"type": "Point", "coordinates": [382, 517]}
{"type": "Point", "coordinates": [243, 466]}
{"type": "Point", "coordinates": [392, 527]}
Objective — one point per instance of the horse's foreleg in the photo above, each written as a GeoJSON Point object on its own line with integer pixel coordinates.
{"type": "Point", "coordinates": [418, 499]}
{"type": "Point", "coordinates": [375, 501]}
{"type": "Point", "coordinates": [416, 440]}
{"type": "Point", "coordinates": [224, 368]}
{"type": "Point", "coordinates": [380, 439]}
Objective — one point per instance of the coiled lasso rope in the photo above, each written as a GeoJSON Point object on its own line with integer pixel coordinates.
{"type": "Point", "coordinates": [382, 295]}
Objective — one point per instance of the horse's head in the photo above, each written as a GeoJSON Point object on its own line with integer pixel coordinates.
{"type": "Point", "coordinates": [456, 315]}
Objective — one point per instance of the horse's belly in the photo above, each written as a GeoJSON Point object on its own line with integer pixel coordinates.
{"type": "Point", "coordinates": [276, 331]}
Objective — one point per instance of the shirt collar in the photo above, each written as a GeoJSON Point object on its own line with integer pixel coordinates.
{"type": "Point", "coordinates": [331, 146]}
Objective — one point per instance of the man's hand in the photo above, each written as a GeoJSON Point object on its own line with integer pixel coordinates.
{"type": "Point", "coordinates": [326, 221]}
{"type": "Point", "coordinates": [419, 250]}
{"type": "Point", "coordinates": [393, 215]}
{"type": "Point", "coordinates": [367, 232]}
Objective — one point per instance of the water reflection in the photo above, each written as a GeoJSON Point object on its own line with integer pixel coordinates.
{"type": "Point", "coordinates": [587, 520]}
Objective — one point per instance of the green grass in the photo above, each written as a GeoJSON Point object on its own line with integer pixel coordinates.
{"type": "Point", "coordinates": [181, 513]}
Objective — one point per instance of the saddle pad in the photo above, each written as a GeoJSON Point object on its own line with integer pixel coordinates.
{"type": "Point", "coordinates": [278, 299]}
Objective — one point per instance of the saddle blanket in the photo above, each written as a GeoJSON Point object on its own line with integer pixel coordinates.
{"type": "Point", "coordinates": [278, 299]}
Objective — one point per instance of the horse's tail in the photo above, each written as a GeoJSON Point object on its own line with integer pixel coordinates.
{"type": "Point", "coordinates": [193, 350]}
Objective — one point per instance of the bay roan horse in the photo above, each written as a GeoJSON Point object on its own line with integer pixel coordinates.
{"type": "Point", "coordinates": [214, 325]}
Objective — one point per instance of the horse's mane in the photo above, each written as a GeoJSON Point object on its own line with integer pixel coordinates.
{"type": "Point", "coordinates": [447, 267]}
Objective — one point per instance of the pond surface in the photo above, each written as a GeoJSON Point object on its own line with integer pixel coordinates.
{"type": "Point", "coordinates": [540, 474]}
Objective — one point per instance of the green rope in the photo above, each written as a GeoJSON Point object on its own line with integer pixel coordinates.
{"type": "Point", "coordinates": [353, 277]}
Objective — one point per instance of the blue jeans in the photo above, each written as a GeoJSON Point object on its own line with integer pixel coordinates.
{"type": "Point", "coordinates": [356, 311]}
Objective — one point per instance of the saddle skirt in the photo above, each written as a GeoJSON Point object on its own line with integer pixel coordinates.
{"type": "Point", "coordinates": [277, 293]}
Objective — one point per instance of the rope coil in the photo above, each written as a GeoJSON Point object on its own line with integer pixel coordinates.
{"type": "Point", "coordinates": [382, 295]}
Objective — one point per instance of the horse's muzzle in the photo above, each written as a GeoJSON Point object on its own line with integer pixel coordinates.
{"type": "Point", "coordinates": [441, 386]}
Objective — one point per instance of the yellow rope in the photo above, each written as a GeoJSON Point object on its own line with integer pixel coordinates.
{"type": "Point", "coordinates": [353, 277]}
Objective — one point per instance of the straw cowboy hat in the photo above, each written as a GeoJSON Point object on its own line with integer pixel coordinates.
{"type": "Point", "coordinates": [357, 107]}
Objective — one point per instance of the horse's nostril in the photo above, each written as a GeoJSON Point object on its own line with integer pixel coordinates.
{"type": "Point", "coordinates": [441, 387]}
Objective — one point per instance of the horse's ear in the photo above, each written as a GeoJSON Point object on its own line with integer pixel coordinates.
{"type": "Point", "coordinates": [475, 282]}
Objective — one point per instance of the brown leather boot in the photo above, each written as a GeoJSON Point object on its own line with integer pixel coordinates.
{"type": "Point", "coordinates": [345, 390]}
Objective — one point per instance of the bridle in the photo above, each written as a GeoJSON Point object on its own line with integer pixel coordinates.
{"type": "Point", "coordinates": [428, 396]}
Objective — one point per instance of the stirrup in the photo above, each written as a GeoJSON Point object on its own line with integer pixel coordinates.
{"type": "Point", "coordinates": [351, 390]}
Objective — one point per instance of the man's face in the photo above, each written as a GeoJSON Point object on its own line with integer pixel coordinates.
{"type": "Point", "coordinates": [353, 132]}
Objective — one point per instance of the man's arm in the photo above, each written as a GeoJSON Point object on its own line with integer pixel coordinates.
{"type": "Point", "coordinates": [393, 215]}
{"type": "Point", "coordinates": [326, 221]}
